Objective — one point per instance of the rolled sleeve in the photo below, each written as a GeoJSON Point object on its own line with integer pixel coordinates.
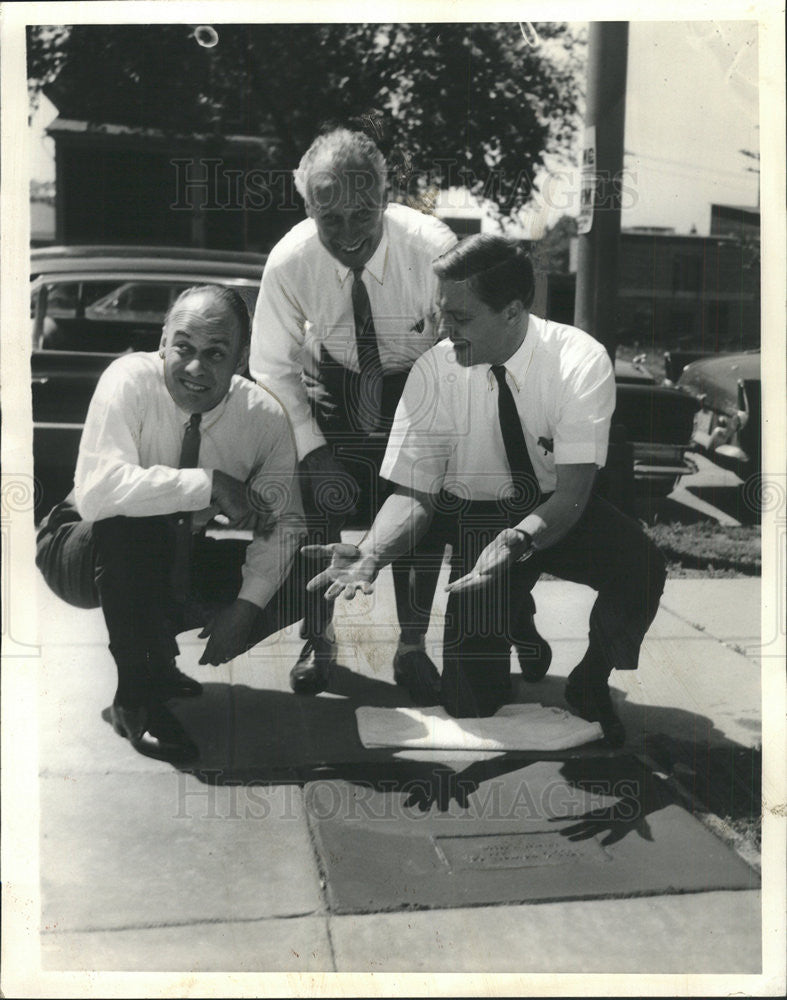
{"type": "Point", "coordinates": [276, 357]}
{"type": "Point", "coordinates": [419, 449]}
{"type": "Point", "coordinates": [585, 413]}
{"type": "Point", "coordinates": [270, 557]}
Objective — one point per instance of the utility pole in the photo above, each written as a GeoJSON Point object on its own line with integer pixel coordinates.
{"type": "Point", "coordinates": [599, 220]}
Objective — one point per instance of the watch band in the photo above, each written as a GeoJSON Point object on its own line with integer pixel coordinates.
{"type": "Point", "coordinates": [528, 541]}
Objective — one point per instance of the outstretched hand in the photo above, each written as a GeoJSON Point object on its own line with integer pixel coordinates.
{"type": "Point", "coordinates": [349, 571]}
{"type": "Point", "coordinates": [503, 550]}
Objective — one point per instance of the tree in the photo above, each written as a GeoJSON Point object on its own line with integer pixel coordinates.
{"type": "Point", "coordinates": [456, 104]}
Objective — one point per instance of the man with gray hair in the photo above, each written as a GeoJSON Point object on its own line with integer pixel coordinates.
{"type": "Point", "coordinates": [346, 307]}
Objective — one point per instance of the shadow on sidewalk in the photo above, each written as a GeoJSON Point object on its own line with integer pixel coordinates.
{"type": "Point", "coordinates": [257, 736]}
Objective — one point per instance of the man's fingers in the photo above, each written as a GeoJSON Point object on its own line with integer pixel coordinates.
{"type": "Point", "coordinates": [320, 580]}
{"type": "Point", "coordinates": [472, 581]}
{"type": "Point", "coordinates": [341, 549]}
{"type": "Point", "coordinates": [316, 551]}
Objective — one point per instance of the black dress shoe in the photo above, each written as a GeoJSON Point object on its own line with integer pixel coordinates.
{"type": "Point", "coordinates": [169, 682]}
{"type": "Point", "coordinates": [591, 700]}
{"type": "Point", "coordinates": [153, 731]}
{"type": "Point", "coordinates": [534, 655]}
{"type": "Point", "coordinates": [312, 673]}
{"type": "Point", "coordinates": [416, 672]}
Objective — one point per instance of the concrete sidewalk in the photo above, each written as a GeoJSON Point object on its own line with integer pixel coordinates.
{"type": "Point", "coordinates": [147, 867]}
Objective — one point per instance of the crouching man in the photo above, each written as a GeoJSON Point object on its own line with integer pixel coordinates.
{"type": "Point", "coordinates": [495, 447]}
{"type": "Point", "coordinates": [172, 439]}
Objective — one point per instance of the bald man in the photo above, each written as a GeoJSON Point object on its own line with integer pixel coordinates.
{"type": "Point", "coordinates": [171, 439]}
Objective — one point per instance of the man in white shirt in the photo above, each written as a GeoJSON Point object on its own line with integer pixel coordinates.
{"type": "Point", "coordinates": [172, 439]}
{"type": "Point", "coordinates": [497, 440]}
{"type": "Point", "coordinates": [346, 306]}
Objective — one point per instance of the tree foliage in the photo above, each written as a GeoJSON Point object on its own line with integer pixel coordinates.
{"type": "Point", "coordinates": [471, 103]}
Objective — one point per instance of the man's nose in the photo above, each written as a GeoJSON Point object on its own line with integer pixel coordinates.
{"type": "Point", "coordinates": [194, 367]}
{"type": "Point", "coordinates": [349, 230]}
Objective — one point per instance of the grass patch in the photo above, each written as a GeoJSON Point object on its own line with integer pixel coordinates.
{"type": "Point", "coordinates": [709, 549]}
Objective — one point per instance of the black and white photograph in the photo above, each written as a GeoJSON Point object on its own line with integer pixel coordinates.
{"type": "Point", "coordinates": [394, 503]}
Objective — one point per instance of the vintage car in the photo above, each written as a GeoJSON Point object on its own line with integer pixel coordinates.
{"type": "Point", "coordinates": [727, 425]}
{"type": "Point", "coordinates": [89, 304]}
{"type": "Point", "coordinates": [657, 421]}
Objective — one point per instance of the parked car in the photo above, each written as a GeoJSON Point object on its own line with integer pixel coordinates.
{"type": "Point", "coordinates": [727, 424]}
{"type": "Point", "coordinates": [90, 304]}
{"type": "Point", "coordinates": [658, 422]}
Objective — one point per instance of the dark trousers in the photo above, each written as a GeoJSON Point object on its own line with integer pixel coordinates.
{"type": "Point", "coordinates": [605, 550]}
{"type": "Point", "coordinates": [123, 565]}
{"type": "Point", "coordinates": [333, 392]}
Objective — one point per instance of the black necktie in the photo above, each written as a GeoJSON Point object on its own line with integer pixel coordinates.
{"type": "Point", "coordinates": [181, 564]}
{"type": "Point", "coordinates": [526, 489]}
{"type": "Point", "coordinates": [371, 382]}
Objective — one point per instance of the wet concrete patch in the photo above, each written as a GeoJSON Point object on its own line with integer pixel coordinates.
{"type": "Point", "coordinates": [433, 836]}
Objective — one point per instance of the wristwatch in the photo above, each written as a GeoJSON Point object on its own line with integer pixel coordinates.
{"type": "Point", "coordinates": [526, 538]}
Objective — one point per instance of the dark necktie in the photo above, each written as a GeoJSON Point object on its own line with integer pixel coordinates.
{"type": "Point", "coordinates": [526, 489]}
{"type": "Point", "coordinates": [181, 564]}
{"type": "Point", "coordinates": [369, 411]}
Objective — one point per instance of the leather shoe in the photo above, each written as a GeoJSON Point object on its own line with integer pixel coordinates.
{"type": "Point", "coordinates": [416, 672]}
{"type": "Point", "coordinates": [170, 682]}
{"type": "Point", "coordinates": [312, 673]}
{"type": "Point", "coordinates": [534, 655]}
{"type": "Point", "coordinates": [591, 700]}
{"type": "Point", "coordinates": [153, 731]}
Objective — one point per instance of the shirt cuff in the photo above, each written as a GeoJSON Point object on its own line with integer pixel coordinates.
{"type": "Point", "coordinates": [256, 589]}
{"type": "Point", "coordinates": [198, 488]}
{"type": "Point", "coordinates": [579, 453]}
{"type": "Point", "coordinates": [410, 477]}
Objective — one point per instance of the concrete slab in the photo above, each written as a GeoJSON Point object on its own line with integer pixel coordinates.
{"type": "Point", "coordinates": [76, 687]}
{"type": "Point", "coordinates": [504, 833]}
{"type": "Point", "coordinates": [167, 849]}
{"type": "Point", "coordinates": [709, 932]}
{"type": "Point", "coordinates": [700, 691]}
{"type": "Point", "coordinates": [299, 944]}
{"type": "Point", "coordinates": [729, 610]}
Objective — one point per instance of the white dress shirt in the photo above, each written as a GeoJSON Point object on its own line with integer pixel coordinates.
{"type": "Point", "coordinates": [306, 302]}
{"type": "Point", "coordinates": [130, 449]}
{"type": "Point", "coordinates": [446, 433]}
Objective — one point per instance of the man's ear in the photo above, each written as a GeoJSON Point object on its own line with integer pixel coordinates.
{"type": "Point", "coordinates": [514, 310]}
{"type": "Point", "coordinates": [162, 344]}
{"type": "Point", "coordinates": [243, 360]}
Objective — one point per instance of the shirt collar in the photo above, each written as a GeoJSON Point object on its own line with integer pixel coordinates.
{"type": "Point", "coordinates": [376, 266]}
{"type": "Point", "coordinates": [518, 364]}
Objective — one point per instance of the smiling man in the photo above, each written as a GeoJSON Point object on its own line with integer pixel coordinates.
{"type": "Point", "coordinates": [496, 443]}
{"type": "Point", "coordinates": [170, 440]}
{"type": "Point", "coordinates": [347, 305]}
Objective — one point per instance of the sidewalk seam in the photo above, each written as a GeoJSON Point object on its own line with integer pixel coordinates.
{"type": "Point", "coordinates": [208, 922]}
{"type": "Point", "coordinates": [729, 643]}
{"type": "Point", "coordinates": [322, 875]}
